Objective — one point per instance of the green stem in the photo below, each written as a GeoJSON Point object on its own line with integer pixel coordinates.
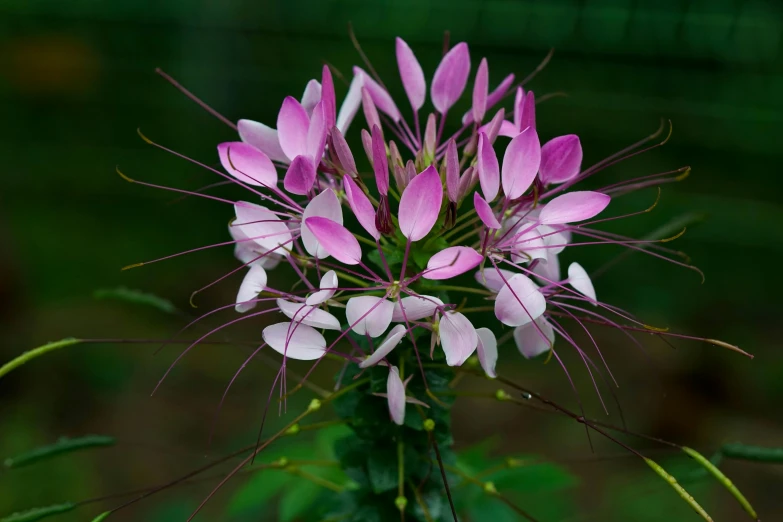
{"type": "Point", "coordinates": [37, 352]}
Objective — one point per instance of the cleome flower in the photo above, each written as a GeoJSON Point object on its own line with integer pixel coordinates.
{"type": "Point", "coordinates": [395, 254]}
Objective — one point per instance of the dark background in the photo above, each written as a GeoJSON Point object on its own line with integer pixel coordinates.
{"type": "Point", "coordinates": [77, 78]}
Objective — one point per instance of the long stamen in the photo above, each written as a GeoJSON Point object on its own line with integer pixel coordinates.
{"type": "Point", "coordinates": [195, 98]}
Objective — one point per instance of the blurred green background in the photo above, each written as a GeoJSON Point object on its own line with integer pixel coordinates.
{"type": "Point", "coordinates": [77, 78]}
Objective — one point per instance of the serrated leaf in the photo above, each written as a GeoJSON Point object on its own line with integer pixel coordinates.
{"type": "Point", "coordinates": [136, 297]}
{"type": "Point", "coordinates": [63, 445]}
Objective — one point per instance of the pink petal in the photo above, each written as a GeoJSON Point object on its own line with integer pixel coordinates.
{"type": "Point", "coordinates": [480, 91]}
{"type": "Point", "coordinates": [292, 126]}
{"type": "Point", "coordinates": [311, 96]}
{"type": "Point", "coordinates": [573, 207]}
{"type": "Point", "coordinates": [493, 127]}
{"type": "Point", "coordinates": [250, 165]}
{"type": "Point", "coordinates": [500, 91]}
{"type": "Point", "coordinates": [450, 78]}
{"type": "Point", "coordinates": [380, 97]}
{"type": "Point", "coordinates": [335, 239]}
{"type": "Point", "coordinates": [328, 97]}
{"type": "Point", "coordinates": [519, 302]}
{"type": "Point", "coordinates": [380, 163]}
{"type": "Point", "coordinates": [578, 278]}
{"type": "Point", "coordinates": [458, 337]}
{"type": "Point", "coordinates": [488, 169]}
{"type": "Point", "coordinates": [487, 350]}
{"type": "Point", "coordinates": [300, 176]}
{"type": "Point", "coordinates": [369, 314]}
{"type": "Point", "coordinates": [420, 204]}
{"type": "Point", "coordinates": [532, 341]}
{"type": "Point", "coordinates": [520, 163]}
{"type": "Point", "coordinates": [343, 151]}
{"type": "Point", "coordinates": [370, 111]}
{"type": "Point", "coordinates": [467, 182]}
{"type": "Point", "coordinates": [451, 262]}
{"type": "Point", "coordinates": [325, 205]}
{"type": "Point", "coordinates": [519, 102]}
{"type": "Point", "coordinates": [350, 105]}
{"type": "Point", "coordinates": [252, 285]}
{"type": "Point", "coordinates": [484, 212]}
{"type": "Point", "coordinates": [328, 287]}
{"type": "Point", "coordinates": [395, 394]}
{"type": "Point", "coordinates": [295, 341]}
{"type": "Point", "coordinates": [452, 171]}
{"type": "Point", "coordinates": [508, 129]}
{"type": "Point", "coordinates": [309, 315]}
{"type": "Point", "coordinates": [262, 226]}
{"type": "Point", "coordinates": [263, 138]}
{"type": "Point", "coordinates": [316, 134]}
{"type": "Point", "coordinates": [361, 206]}
{"type": "Point", "coordinates": [491, 279]}
{"type": "Point", "coordinates": [561, 159]}
{"type": "Point", "coordinates": [494, 97]}
{"type": "Point", "coordinates": [411, 74]}
{"type": "Point", "coordinates": [416, 307]}
{"type": "Point", "coordinates": [392, 339]}
{"type": "Point", "coordinates": [528, 113]}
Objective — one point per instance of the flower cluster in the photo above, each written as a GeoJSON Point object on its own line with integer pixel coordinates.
{"type": "Point", "coordinates": [453, 220]}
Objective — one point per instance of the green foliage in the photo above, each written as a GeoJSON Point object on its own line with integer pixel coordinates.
{"type": "Point", "coordinates": [63, 445]}
{"type": "Point", "coordinates": [31, 515]}
{"type": "Point", "coordinates": [136, 297]}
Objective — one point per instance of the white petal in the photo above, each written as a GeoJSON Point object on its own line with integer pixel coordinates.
{"type": "Point", "coordinates": [578, 278]}
{"type": "Point", "coordinates": [393, 339]}
{"type": "Point", "coordinates": [548, 271]}
{"type": "Point", "coordinates": [375, 322]}
{"type": "Point", "coordinates": [395, 394]}
{"type": "Point", "coordinates": [250, 252]}
{"type": "Point", "coordinates": [416, 307]}
{"type": "Point", "coordinates": [458, 337]}
{"type": "Point", "coordinates": [530, 340]}
{"type": "Point", "coordinates": [328, 288]}
{"type": "Point", "coordinates": [487, 350]}
{"type": "Point", "coordinates": [262, 226]}
{"type": "Point", "coordinates": [253, 283]}
{"type": "Point", "coordinates": [295, 341]}
{"type": "Point", "coordinates": [519, 302]}
{"type": "Point", "coordinates": [351, 104]}
{"type": "Point", "coordinates": [491, 279]}
{"type": "Point", "coordinates": [309, 315]}
{"type": "Point", "coordinates": [325, 205]}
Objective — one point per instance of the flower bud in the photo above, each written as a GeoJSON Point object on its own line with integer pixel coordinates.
{"type": "Point", "coordinates": [430, 140]}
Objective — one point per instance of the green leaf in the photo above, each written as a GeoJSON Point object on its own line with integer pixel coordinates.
{"type": "Point", "coordinates": [297, 500]}
{"type": "Point", "coordinates": [63, 445]}
{"type": "Point", "coordinates": [136, 297]}
{"type": "Point", "coordinates": [38, 513]}
{"type": "Point", "coordinates": [103, 516]}
{"type": "Point", "coordinates": [754, 453]}
{"type": "Point", "coordinates": [393, 259]}
{"type": "Point", "coordinates": [257, 491]}
{"type": "Point", "coordinates": [382, 469]}
{"type": "Point", "coordinates": [36, 352]}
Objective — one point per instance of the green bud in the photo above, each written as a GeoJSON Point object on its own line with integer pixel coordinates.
{"type": "Point", "coordinates": [293, 430]}
{"type": "Point", "coordinates": [401, 503]}
{"type": "Point", "coordinates": [281, 462]}
{"type": "Point", "coordinates": [429, 424]}
{"type": "Point", "coordinates": [489, 487]}
{"type": "Point", "coordinates": [315, 405]}
{"type": "Point", "coordinates": [501, 395]}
